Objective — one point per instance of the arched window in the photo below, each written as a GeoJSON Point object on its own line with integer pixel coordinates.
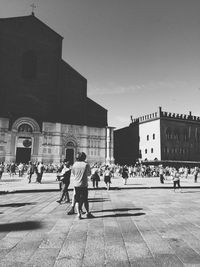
{"type": "Point", "coordinates": [153, 136]}
{"type": "Point", "coordinates": [147, 137]}
{"type": "Point", "coordinates": [70, 144]}
{"type": "Point", "coordinates": [29, 65]}
{"type": "Point", "coordinates": [25, 128]}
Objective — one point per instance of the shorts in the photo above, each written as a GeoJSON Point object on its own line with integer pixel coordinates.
{"type": "Point", "coordinates": [107, 179]}
{"type": "Point", "coordinates": [81, 194]}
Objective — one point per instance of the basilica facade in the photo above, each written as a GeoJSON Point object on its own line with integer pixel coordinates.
{"type": "Point", "coordinates": [45, 113]}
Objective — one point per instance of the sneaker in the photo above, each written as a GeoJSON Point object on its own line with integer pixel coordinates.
{"type": "Point", "coordinates": [59, 201]}
{"type": "Point", "coordinates": [71, 211]}
{"type": "Point", "coordinates": [82, 212]}
{"type": "Point", "coordinates": [89, 215]}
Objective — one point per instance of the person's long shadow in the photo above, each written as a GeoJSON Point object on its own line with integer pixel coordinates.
{"type": "Point", "coordinates": [117, 210]}
{"type": "Point", "coordinates": [20, 226]}
{"type": "Point", "coordinates": [14, 205]}
{"type": "Point", "coordinates": [121, 215]}
{"type": "Point", "coordinates": [124, 212]}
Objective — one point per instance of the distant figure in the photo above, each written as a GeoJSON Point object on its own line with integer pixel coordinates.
{"type": "Point", "coordinates": [161, 174]}
{"type": "Point", "coordinates": [1, 169]}
{"type": "Point", "coordinates": [107, 177]}
{"type": "Point", "coordinates": [95, 177]}
{"type": "Point", "coordinates": [12, 169]}
{"type": "Point", "coordinates": [30, 171]}
{"type": "Point", "coordinates": [125, 174]}
{"type": "Point", "coordinates": [21, 169]}
{"type": "Point", "coordinates": [176, 179]}
{"type": "Point", "coordinates": [195, 174]}
{"type": "Point", "coordinates": [40, 170]}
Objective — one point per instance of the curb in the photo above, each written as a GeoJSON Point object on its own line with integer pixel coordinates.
{"type": "Point", "coordinates": [91, 189]}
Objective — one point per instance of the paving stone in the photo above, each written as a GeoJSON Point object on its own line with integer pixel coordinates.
{"type": "Point", "coordinates": [44, 257]}
{"type": "Point", "coordinates": [154, 227]}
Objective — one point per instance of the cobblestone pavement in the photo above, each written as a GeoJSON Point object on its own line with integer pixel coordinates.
{"type": "Point", "coordinates": [134, 227]}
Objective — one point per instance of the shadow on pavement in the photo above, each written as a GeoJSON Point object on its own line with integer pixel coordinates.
{"type": "Point", "coordinates": [183, 192]}
{"type": "Point", "coordinates": [122, 215]}
{"type": "Point", "coordinates": [20, 226]}
{"type": "Point", "coordinates": [117, 210]}
{"type": "Point", "coordinates": [98, 199]}
{"type": "Point", "coordinates": [14, 205]}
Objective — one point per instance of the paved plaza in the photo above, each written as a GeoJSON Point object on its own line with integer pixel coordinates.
{"type": "Point", "coordinates": [132, 227]}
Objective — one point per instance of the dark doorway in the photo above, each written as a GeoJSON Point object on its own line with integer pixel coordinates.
{"type": "Point", "coordinates": [23, 155]}
{"type": "Point", "coordinates": [70, 155]}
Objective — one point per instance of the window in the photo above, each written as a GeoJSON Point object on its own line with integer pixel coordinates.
{"type": "Point", "coordinates": [176, 134]}
{"type": "Point", "coordinates": [151, 150]}
{"type": "Point", "coordinates": [153, 136]}
{"type": "Point", "coordinates": [25, 128]}
{"type": "Point", "coordinates": [185, 135]}
{"type": "Point", "coordinates": [29, 65]}
{"type": "Point", "coordinates": [168, 134]}
{"type": "Point", "coordinates": [147, 137]}
{"type": "Point", "coordinates": [145, 151]}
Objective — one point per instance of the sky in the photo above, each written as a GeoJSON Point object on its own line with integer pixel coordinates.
{"type": "Point", "coordinates": [136, 55]}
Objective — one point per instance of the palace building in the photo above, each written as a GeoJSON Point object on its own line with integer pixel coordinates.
{"type": "Point", "coordinates": [161, 136]}
{"type": "Point", "coordinates": [45, 114]}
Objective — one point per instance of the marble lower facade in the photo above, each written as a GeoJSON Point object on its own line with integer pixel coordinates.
{"type": "Point", "coordinates": [25, 140]}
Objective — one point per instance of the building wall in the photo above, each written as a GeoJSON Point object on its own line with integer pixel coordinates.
{"type": "Point", "coordinates": [180, 139]}
{"type": "Point", "coordinates": [50, 144]}
{"type": "Point", "coordinates": [149, 145]}
{"type": "Point", "coordinates": [33, 97]}
{"type": "Point", "coordinates": [126, 144]}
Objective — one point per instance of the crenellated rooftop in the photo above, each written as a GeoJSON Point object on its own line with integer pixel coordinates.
{"type": "Point", "coordinates": [165, 114]}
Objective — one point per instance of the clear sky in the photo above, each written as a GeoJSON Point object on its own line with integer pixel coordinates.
{"type": "Point", "coordinates": [136, 55]}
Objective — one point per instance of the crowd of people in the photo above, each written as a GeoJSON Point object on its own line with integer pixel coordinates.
{"type": "Point", "coordinates": [82, 172]}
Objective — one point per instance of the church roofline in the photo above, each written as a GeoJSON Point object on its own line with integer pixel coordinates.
{"type": "Point", "coordinates": [31, 16]}
{"type": "Point", "coordinates": [92, 101]}
{"type": "Point", "coordinates": [65, 63]}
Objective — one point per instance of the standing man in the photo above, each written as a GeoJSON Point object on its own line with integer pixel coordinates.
{"type": "Point", "coordinates": [81, 170]}
{"type": "Point", "coordinates": [40, 170]}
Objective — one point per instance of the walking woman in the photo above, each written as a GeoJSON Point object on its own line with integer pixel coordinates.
{"type": "Point", "coordinates": [64, 177]}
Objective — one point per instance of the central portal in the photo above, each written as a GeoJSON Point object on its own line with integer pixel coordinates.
{"type": "Point", "coordinates": [23, 155]}
{"type": "Point", "coordinates": [70, 155]}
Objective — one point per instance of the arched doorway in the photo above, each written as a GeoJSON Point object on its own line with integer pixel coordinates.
{"type": "Point", "coordinates": [24, 143]}
{"type": "Point", "coordinates": [70, 152]}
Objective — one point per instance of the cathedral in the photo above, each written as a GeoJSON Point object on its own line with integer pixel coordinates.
{"type": "Point", "coordinates": [45, 114]}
